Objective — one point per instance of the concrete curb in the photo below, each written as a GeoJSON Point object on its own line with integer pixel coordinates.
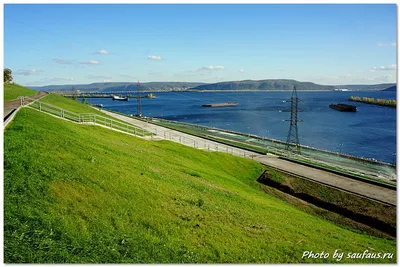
{"type": "Point", "coordinates": [10, 117]}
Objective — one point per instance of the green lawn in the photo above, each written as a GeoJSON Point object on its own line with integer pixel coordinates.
{"type": "Point", "coordinates": [78, 107]}
{"type": "Point", "coordinates": [13, 91]}
{"type": "Point", "coordinates": [71, 105]}
{"type": "Point", "coordinates": [84, 194]}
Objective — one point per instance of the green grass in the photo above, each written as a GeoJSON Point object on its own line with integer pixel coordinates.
{"type": "Point", "coordinates": [84, 194]}
{"type": "Point", "coordinates": [79, 107]}
{"type": "Point", "coordinates": [13, 91]}
{"type": "Point", "coordinates": [71, 105]}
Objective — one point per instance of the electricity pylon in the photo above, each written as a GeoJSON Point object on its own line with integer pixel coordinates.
{"type": "Point", "coordinates": [139, 108]}
{"type": "Point", "coordinates": [292, 141]}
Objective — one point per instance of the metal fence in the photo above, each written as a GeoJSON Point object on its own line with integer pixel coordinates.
{"type": "Point", "coordinates": [199, 143]}
{"type": "Point", "coordinates": [84, 117]}
{"type": "Point", "coordinates": [161, 132]}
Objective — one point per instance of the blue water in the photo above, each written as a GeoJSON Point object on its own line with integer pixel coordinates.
{"type": "Point", "coordinates": [370, 132]}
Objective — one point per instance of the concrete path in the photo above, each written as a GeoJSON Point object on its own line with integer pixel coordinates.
{"type": "Point", "coordinates": [10, 105]}
{"type": "Point", "coordinates": [358, 187]}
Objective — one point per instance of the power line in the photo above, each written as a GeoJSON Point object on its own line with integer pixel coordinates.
{"type": "Point", "coordinates": [293, 134]}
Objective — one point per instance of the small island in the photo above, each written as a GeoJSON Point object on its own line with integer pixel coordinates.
{"type": "Point", "coordinates": [369, 100]}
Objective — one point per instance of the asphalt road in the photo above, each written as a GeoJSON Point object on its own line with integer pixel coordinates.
{"type": "Point", "coordinates": [341, 182]}
{"type": "Point", "coordinates": [10, 105]}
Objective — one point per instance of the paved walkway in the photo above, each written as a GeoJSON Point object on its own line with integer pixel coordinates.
{"type": "Point", "coordinates": [358, 187]}
{"type": "Point", "coordinates": [10, 105]}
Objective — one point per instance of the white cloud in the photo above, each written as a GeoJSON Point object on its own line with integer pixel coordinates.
{"type": "Point", "coordinates": [126, 76]}
{"type": "Point", "coordinates": [387, 44]}
{"type": "Point", "coordinates": [28, 72]}
{"type": "Point", "coordinates": [59, 79]}
{"type": "Point", "coordinates": [241, 70]}
{"type": "Point", "coordinates": [155, 57]}
{"type": "Point", "coordinates": [62, 61]}
{"type": "Point", "coordinates": [102, 52]}
{"type": "Point", "coordinates": [390, 67]}
{"type": "Point", "coordinates": [211, 67]}
{"type": "Point", "coordinates": [51, 80]}
{"type": "Point", "coordinates": [97, 77]}
{"type": "Point", "coordinates": [154, 73]}
{"type": "Point", "coordinates": [91, 62]}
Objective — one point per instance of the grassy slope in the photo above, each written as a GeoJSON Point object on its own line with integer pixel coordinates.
{"type": "Point", "coordinates": [13, 91]}
{"type": "Point", "coordinates": [81, 193]}
{"type": "Point", "coordinates": [75, 106]}
{"type": "Point", "coordinates": [71, 105]}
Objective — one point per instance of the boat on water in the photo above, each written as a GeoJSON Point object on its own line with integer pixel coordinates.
{"type": "Point", "coordinates": [343, 107]}
{"type": "Point", "coordinates": [227, 104]}
{"type": "Point", "coordinates": [119, 98]}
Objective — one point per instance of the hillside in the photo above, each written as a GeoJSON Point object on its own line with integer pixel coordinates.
{"type": "Point", "coordinates": [264, 85]}
{"type": "Point", "coordinates": [367, 87]}
{"type": "Point", "coordinates": [392, 88]}
{"type": "Point", "coordinates": [85, 194]}
{"type": "Point", "coordinates": [13, 91]}
{"type": "Point", "coordinates": [118, 86]}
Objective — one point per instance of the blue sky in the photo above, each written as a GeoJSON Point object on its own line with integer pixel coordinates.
{"type": "Point", "coordinates": [76, 44]}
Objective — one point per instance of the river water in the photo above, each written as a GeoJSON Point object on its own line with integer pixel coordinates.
{"type": "Point", "coordinates": [370, 132]}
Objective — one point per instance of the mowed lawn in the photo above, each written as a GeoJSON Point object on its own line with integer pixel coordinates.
{"type": "Point", "coordinates": [13, 91]}
{"type": "Point", "coordinates": [85, 194]}
{"type": "Point", "coordinates": [70, 104]}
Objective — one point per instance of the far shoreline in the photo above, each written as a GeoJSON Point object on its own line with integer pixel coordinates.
{"type": "Point", "coordinates": [208, 91]}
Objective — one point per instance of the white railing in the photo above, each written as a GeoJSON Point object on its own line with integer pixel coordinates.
{"type": "Point", "coordinates": [83, 117]}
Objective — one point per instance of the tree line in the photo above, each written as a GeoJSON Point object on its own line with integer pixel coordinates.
{"type": "Point", "coordinates": [8, 75]}
{"type": "Point", "coordinates": [370, 100]}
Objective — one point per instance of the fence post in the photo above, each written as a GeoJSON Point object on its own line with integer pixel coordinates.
{"type": "Point", "coordinates": [62, 113]}
{"type": "Point", "coordinates": [40, 106]}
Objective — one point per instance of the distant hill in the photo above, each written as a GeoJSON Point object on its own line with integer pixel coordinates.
{"type": "Point", "coordinates": [264, 85]}
{"type": "Point", "coordinates": [392, 88]}
{"type": "Point", "coordinates": [366, 87]}
{"type": "Point", "coordinates": [119, 86]}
